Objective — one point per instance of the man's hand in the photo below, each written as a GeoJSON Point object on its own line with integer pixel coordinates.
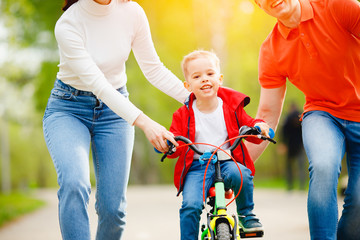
{"type": "Point", "coordinates": [264, 127]}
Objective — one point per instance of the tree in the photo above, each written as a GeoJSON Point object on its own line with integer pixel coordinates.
{"type": "Point", "coordinates": [234, 29]}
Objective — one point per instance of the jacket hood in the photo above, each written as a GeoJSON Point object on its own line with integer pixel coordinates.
{"type": "Point", "coordinates": [229, 96]}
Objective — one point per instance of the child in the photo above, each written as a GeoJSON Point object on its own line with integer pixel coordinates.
{"type": "Point", "coordinates": [212, 114]}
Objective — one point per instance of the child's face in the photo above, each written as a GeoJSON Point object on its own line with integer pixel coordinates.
{"type": "Point", "coordinates": [203, 78]}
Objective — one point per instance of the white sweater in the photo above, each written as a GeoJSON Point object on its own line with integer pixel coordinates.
{"type": "Point", "coordinates": [95, 41]}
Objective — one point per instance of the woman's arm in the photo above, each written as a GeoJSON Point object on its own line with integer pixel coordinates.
{"type": "Point", "coordinates": [154, 70]}
{"type": "Point", "coordinates": [73, 50]}
{"type": "Point", "coordinates": [75, 55]}
{"type": "Point", "coordinates": [158, 75]}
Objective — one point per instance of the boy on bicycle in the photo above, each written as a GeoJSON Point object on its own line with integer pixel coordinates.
{"type": "Point", "coordinates": [212, 114]}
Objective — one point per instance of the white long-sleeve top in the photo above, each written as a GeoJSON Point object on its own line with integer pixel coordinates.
{"type": "Point", "coordinates": [94, 43]}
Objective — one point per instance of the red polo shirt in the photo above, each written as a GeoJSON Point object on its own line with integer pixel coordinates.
{"type": "Point", "coordinates": [321, 57]}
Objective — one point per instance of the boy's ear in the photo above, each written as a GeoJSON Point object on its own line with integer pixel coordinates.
{"type": "Point", "coordinates": [187, 86]}
{"type": "Point", "coordinates": [221, 79]}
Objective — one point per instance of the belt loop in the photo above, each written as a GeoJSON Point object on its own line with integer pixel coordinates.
{"type": "Point", "coordinates": [76, 92]}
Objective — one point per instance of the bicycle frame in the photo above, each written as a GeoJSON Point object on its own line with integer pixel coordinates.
{"type": "Point", "coordinates": [219, 211]}
{"type": "Point", "coordinates": [220, 225]}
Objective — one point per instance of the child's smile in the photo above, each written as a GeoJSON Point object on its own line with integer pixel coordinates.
{"type": "Point", "coordinates": [203, 78]}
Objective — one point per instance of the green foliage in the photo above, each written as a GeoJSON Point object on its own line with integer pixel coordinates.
{"type": "Point", "coordinates": [15, 75]}
{"type": "Point", "coordinates": [278, 183]}
{"type": "Point", "coordinates": [234, 29]}
{"type": "Point", "coordinates": [17, 204]}
{"type": "Point", "coordinates": [31, 165]}
{"type": "Point", "coordinates": [44, 83]}
{"type": "Point", "coordinates": [29, 19]}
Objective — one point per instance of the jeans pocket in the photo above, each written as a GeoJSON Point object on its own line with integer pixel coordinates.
{"type": "Point", "coordinates": [61, 94]}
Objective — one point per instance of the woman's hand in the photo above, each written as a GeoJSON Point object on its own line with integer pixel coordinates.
{"type": "Point", "coordinates": [155, 133]}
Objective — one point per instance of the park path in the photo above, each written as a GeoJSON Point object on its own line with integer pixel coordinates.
{"type": "Point", "coordinates": [153, 215]}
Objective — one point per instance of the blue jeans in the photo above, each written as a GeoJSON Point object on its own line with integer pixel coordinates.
{"type": "Point", "coordinates": [326, 139]}
{"type": "Point", "coordinates": [192, 204]}
{"type": "Point", "coordinates": [73, 121]}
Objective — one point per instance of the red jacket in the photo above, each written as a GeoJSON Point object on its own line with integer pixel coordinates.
{"type": "Point", "coordinates": [183, 124]}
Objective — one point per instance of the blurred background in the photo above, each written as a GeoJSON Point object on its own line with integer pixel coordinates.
{"type": "Point", "coordinates": [234, 29]}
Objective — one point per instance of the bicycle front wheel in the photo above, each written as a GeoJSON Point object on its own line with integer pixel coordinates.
{"type": "Point", "coordinates": [223, 232]}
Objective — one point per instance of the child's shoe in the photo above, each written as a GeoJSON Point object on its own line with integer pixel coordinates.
{"type": "Point", "coordinates": [249, 225]}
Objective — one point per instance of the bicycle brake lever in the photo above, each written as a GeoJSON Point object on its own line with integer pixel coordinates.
{"type": "Point", "coordinates": [163, 157]}
{"type": "Point", "coordinates": [271, 132]}
{"type": "Point", "coordinates": [171, 150]}
{"type": "Point", "coordinates": [268, 139]}
{"type": "Point", "coordinates": [272, 140]}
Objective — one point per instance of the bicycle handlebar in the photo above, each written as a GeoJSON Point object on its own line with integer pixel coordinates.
{"type": "Point", "coordinates": [244, 130]}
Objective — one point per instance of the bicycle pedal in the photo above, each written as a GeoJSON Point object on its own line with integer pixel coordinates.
{"type": "Point", "coordinates": [251, 234]}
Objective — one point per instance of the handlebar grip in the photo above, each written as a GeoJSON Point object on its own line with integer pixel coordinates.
{"type": "Point", "coordinates": [271, 131]}
{"type": "Point", "coordinates": [157, 151]}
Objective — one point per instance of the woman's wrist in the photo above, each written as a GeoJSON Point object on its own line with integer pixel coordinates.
{"type": "Point", "coordinates": [141, 120]}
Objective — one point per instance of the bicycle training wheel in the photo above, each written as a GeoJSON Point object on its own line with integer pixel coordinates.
{"type": "Point", "coordinates": [223, 232]}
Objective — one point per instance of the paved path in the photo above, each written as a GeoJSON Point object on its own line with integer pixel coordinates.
{"type": "Point", "coordinates": [282, 214]}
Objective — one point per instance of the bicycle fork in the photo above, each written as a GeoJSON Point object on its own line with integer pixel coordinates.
{"type": "Point", "coordinates": [219, 213]}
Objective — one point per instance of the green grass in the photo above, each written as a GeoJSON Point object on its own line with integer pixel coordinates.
{"type": "Point", "coordinates": [15, 205]}
{"type": "Point", "coordinates": [277, 183]}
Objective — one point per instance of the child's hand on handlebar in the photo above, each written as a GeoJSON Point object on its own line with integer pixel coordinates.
{"type": "Point", "coordinates": [265, 128]}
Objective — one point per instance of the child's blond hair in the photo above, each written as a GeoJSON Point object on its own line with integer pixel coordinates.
{"type": "Point", "coordinates": [198, 54]}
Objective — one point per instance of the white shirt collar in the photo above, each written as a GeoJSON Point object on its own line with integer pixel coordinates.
{"type": "Point", "coordinates": [95, 8]}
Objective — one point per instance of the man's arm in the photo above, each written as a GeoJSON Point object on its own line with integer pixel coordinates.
{"type": "Point", "coordinates": [347, 13]}
{"type": "Point", "coordinates": [269, 110]}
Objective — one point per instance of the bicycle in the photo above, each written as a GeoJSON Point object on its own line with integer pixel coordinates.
{"type": "Point", "coordinates": [220, 225]}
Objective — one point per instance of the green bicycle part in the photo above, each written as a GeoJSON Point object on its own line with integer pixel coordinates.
{"type": "Point", "coordinates": [204, 233]}
{"type": "Point", "coordinates": [220, 196]}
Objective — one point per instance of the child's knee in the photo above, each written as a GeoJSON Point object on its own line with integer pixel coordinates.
{"type": "Point", "coordinates": [247, 177]}
{"type": "Point", "coordinates": [192, 205]}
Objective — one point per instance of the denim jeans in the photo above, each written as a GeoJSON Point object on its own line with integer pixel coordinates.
{"type": "Point", "coordinates": [192, 204]}
{"type": "Point", "coordinates": [73, 121]}
{"type": "Point", "coordinates": [326, 139]}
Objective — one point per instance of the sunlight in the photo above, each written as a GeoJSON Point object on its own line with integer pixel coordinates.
{"type": "Point", "coordinates": [246, 7]}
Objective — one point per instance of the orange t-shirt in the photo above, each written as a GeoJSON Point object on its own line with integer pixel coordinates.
{"type": "Point", "coordinates": [321, 57]}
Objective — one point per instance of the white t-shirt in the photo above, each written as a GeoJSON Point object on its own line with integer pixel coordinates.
{"type": "Point", "coordinates": [94, 43]}
{"type": "Point", "coordinates": [210, 128]}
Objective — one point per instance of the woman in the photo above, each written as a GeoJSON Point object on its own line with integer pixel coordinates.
{"type": "Point", "coordinates": [89, 105]}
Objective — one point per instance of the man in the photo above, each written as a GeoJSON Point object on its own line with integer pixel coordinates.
{"type": "Point", "coordinates": [316, 46]}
